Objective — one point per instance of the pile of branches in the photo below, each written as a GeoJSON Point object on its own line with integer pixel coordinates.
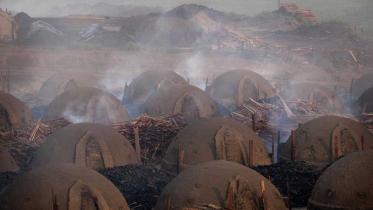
{"type": "Point", "coordinates": [37, 132]}
{"type": "Point", "coordinates": [294, 179]}
{"type": "Point", "coordinates": [257, 114]}
{"type": "Point", "coordinates": [23, 142]}
{"type": "Point", "coordinates": [154, 134]}
{"type": "Point", "coordinates": [303, 107]}
{"type": "Point", "coordinates": [269, 114]}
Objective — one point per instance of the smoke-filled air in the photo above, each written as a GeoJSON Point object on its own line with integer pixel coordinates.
{"type": "Point", "coordinates": [186, 104]}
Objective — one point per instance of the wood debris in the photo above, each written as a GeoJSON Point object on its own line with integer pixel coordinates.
{"type": "Point", "coordinates": [262, 112]}
{"type": "Point", "coordinates": [155, 134]}
{"type": "Point", "coordinates": [367, 120]}
{"type": "Point", "coordinates": [38, 131]}
{"type": "Point", "coordinates": [23, 142]}
{"type": "Point", "coordinates": [269, 114]}
{"type": "Point", "coordinates": [303, 107]}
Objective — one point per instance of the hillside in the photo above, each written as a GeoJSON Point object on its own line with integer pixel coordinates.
{"type": "Point", "coordinates": [102, 9]}
{"type": "Point", "coordinates": [188, 26]}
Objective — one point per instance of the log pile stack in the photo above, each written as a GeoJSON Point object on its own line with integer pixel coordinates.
{"type": "Point", "coordinates": [258, 115]}
{"type": "Point", "coordinates": [270, 115]}
{"type": "Point", "coordinates": [303, 107]}
{"type": "Point", "coordinates": [23, 142]}
{"type": "Point", "coordinates": [155, 134]}
{"type": "Point", "coordinates": [37, 132]}
{"type": "Point", "coordinates": [270, 118]}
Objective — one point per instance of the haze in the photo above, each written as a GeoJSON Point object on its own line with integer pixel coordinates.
{"type": "Point", "coordinates": [141, 91]}
{"type": "Point", "coordinates": [248, 7]}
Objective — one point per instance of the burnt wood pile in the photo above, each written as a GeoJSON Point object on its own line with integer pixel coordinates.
{"type": "Point", "coordinates": [258, 114]}
{"type": "Point", "coordinates": [264, 115]}
{"type": "Point", "coordinates": [36, 132]}
{"type": "Point", "coordinates": [154, 134]}
{"type": "Point", "coordinates": [303, 107]}
{"type": "Point", "coordinates": [294, 179]}
{"type": "Point", "coordinates": [23, 142]}
{"type": "Point", "coordinates": [141, 185]}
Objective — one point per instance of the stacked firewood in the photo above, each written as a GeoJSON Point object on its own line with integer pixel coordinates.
{"type": "Point", "coordinates": [303, 107]}
{"type": "Point", "coordinates": [264, 115]}
{"type": "Point", "coordinates": [37, 132]}
{"type": "Point", "coordinates": [257, 115]}
{"type": "Point", "coordinates": [153, 134]}
{"type": "Point", "coordinates": [22, 142]}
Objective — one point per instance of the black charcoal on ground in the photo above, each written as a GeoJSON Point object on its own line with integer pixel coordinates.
{"type": "Point", "coordinates": [141, 185]}
{"type": "Point", "coordinates": [300, 176]}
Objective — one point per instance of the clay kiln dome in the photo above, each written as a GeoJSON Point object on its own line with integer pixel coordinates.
{"type": "Point", "coordinates": [145, 84]}
{"type": "Point", "coordinates": [86, 104]}
{"type": "Point", "coordinates": [322, 140]}
{"type": "Point", "coordinates": [323, 96]}
{"type": "Point", "coordinates": [347, 184]}
{"type": "Point", "coordinates": [366, 101]}
{"type": "Point", "coordinates": [13, 112]}
{"type": "Point", "coordinates": [7, 162]}
{"type": "Point", "coordinates": [8, 27]}
{"type": "Point", "coordinates": [54, 86]}
{"type": "Point", "coordinates": [232, 88]}
{"type": "Point", "coordinates": [90, 145]}
{"type": "Point", "coordinates": [209, 183]}
{"type": "Point", "coordinates": [62, 187]}
{"type": "Point", "coordinates": [186, 99]}
{"type": "Point", "coordinates": [362, 84]}
{"type": "Point", "coordinates": [215, 139]}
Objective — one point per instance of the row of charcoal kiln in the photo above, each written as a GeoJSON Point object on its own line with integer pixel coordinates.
{"type": "Point", "coordinates": [212, 160]}
{"type": "Point", "coordinates": [159, 93]}
{"type": "Point", "coordinates": [165, 92]}
{"type": "Point", "coordinates": [212, 156]}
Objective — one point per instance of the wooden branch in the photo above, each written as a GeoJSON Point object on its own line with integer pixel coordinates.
{"type": "Point", "coordinates": [180, 162]}
{"type": "Point", "coordinates": [35, 130]}
{"type": "Point", "coordinates": [137, 143]}
{"type": "Point", "coordinates": [251, 153]}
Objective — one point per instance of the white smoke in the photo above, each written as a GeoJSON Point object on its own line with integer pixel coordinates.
{"type": "Point", "coordinates": [128, 67]}
{"type": "Point", "coordinates": [194, 69]}
{"type": "Point", "coordinates": [114, 80]}
{"type": "Point", "coordinates": [71, 114]}
{"type": "Point", "coordinates": [99, 109]}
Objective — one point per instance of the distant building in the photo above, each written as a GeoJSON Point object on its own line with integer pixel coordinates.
{"type": "Point", "coordinates": [8, 27]}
